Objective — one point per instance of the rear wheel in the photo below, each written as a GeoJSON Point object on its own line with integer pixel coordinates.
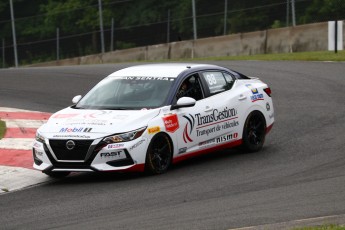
{"type": "Point", "coordinates": [159, 155]}
{"type": "Point", "coordinates": [57, 174]}
{"type": "Point", "coordinates": [254, 132]}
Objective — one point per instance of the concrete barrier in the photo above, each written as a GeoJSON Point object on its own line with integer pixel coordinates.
{"type": "Point", "coordinates": [229, 45]}
{"type": "Point", "coordinates": [158, 52]}
{"type": "Point", "coordinates": [254, 43]}
{"type": "Point", "coordinates": [137, 54]}
{"type": "Point", "coordinates": [311, 37]}
{"type": "Point", "coordinates": [180, 50]}
{"type": "Point", "coordinates": [303, 38]}
{"type": "Point", "coordinates": [278, 41]}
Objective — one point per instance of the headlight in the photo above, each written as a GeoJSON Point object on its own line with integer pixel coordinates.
{"type": "Point", "coordinates": [39, 138]}
{"type": "Point", "coordinates": [123, 137]}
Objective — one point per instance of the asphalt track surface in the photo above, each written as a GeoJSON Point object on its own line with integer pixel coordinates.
{"type": "Point", "coordinates": [299, 174]}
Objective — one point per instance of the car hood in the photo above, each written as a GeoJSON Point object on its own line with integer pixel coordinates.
{"type": "Point", "coordinates": [103, 122]}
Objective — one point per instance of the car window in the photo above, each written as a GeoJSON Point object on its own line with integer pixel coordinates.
{"type": "Point", "coordinates": [190, 87]}
{"type": "Point", "coordinates": [216, 82]}
{"type": "Point", "coordinates": [127, 93]}
{"type": "Point", "coordinates": [229, 79]}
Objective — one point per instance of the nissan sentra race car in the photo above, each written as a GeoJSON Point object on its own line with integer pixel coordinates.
{"type": "Point", "coordinates": [147, 117]}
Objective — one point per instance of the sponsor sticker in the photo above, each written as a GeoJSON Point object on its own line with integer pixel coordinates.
{"type": "Point", "coordinates": [268, 107]}
{"type": "Point", "coordinates": [114, 154]}
{"type": "Point", "coordinates": [171, 123]}
{"type": "Point", "coordinates": [256, 95]}
{"type": "Point", "coordinates": [75, 130]}
{"type": "Point", "coordinates": [97, 114]}
{"type": "Point", "coordinates": [136, 144]}
{"type": "Point", "coordinates": [120, 116]}
{"type": "Point", "coordinates": [211, 123]}
{"type": "Point", "coordinates": [37, 145]}
{"type": "Point", "coordinates": [207, 143]}
{"type": "Point", "coordinates": [149, 78]}
{"type": "Point", "coordinates": [182, 150]}
{"type": "Point", "coordinates": [154, 130]}
{"type": "Point", "coordinates": [85, 122]}
{"type": "Point", "coordinates": [72, 136]}
{"type": "Point", "coordinates": [65, 115]}
{"type": "Point", "coordinates": [226, 138]}
{"type": "Point", "coordinates": [38, 153]}
{"type": "Point", "coordinates": [115, 146]}
{"type": "Point", "coordinates": [255, 91]}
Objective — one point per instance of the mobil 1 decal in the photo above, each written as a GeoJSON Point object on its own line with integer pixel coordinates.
{"type": "Point", "coordinates": [214, 122]}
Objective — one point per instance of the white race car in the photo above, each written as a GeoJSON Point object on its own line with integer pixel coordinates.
{"type": "Point", "coordinates": [147, 117]}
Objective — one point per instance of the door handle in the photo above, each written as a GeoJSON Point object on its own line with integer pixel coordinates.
{"type": "Point", "coordinates": [242, 97]}
{"type": "Point", "coordinates": [208, 109]}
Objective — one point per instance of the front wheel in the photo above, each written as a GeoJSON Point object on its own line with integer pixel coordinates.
{"type": "Point", "coordinates": [254, 132]}
{"type": "Point", "coordinates": [159, 155]}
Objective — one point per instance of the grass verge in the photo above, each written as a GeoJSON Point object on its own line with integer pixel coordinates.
{"type": "Point", "coordinates": [323, 227]}
{"type": "Point", "coordinates": [2, 129]}
{"type": "Point", "coordinates": [302, 56]}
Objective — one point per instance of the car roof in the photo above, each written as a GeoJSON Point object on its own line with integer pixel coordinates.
{"type": "Point", "coordinates": [161, 70]}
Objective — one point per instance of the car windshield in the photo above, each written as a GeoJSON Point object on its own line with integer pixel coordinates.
{"type": "Point", "coordinates": [122, 93]}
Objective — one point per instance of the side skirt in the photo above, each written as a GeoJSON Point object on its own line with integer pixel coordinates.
{"type": "Point", "coordinates": [207, 151]}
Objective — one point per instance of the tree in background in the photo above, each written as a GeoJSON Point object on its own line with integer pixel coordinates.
{"type": "Point", "coordinates": [141, 23]}
{"type": "Point", "coordinates": [324, 10]}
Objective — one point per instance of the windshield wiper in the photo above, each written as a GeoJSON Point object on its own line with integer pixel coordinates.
{"type": "Point", "coordinates": [116, 108]}
{"type": "Point", "coordinates": [75, 107]}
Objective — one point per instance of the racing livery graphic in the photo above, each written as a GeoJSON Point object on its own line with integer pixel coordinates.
{"type": "Point", "coordinates": [146, 117]}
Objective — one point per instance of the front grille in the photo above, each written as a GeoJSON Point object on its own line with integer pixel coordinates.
{"type": "Point", "coordinates": [77, 153]}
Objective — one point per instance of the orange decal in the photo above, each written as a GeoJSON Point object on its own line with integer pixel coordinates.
{"type": "Point", "coordinates": [154, 129]}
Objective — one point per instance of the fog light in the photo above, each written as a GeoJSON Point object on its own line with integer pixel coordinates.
{"type": "Point", "coordinates": [36, 160]}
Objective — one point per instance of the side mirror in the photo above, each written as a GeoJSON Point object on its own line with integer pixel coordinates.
{"type": "Point", "coordinates": [183, 102]}
{"type": "Point", "coordinates": [76, 99]}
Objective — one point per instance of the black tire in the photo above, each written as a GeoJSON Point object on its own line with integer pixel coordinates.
{"type": "Point", "coordinates": [159, 155]}
{"type": "Point", "coordinates": [57, 174]}
{"type": "Point", "coordinates": [254, 132]}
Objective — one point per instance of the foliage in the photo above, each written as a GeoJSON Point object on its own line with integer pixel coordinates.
{"type": "Point", "coordinates": [302, 56]}
{"type": "Point", "coordinates": [323, 227]}
{"type": "Point", "coordinates": [140, 23]}
{"type": "Point", "coordinates": [2, 129]}
{"type": "Point", "coordinates": [326, 9]}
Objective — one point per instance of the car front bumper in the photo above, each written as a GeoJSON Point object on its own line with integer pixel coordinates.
{"type": "Point", "coordinates": [89, 155]}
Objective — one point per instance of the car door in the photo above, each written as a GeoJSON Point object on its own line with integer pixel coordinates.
{"type": "Point", "coordinates": [188, 136]}
{"type": "Point", "coordinates": [206, 123]}
{"type": "Point", "coordinates": [222, 110]}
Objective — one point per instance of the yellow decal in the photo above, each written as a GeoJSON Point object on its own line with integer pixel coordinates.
{"type": "Point", "coordinates": [154, 129]}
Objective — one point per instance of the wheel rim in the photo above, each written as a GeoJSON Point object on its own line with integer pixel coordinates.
{"type": "Point", "coordinates": [256, 130]}
{"type": "Point", "coordinates": [160, 154]}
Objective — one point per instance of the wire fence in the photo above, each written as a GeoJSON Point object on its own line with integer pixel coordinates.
{"type": "Point", "coordinates": [216, 19]}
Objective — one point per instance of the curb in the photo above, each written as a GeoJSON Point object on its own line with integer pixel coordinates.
{"type": "Point", "coordinates": [16, 161]}
{"type": "Point", "coordinates": [15, 178]}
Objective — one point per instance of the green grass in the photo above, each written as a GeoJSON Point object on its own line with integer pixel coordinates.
{"type": "Point", "coordinates": [323, 227]}
{"type": "Point", "coordinates": [303, 56]}
{"type": "Point", "coordinates": [2, 129]}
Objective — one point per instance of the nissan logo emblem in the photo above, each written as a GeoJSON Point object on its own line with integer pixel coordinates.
{"type": "Point", "coordinates": [70, 145]}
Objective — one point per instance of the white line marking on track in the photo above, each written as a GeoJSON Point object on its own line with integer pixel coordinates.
{"type": "Point", "coordinates": [13, 123]}
{"type": "Point", "coordinates": [16, 143]}
{"type": "Point", "coordinates": [5, 109]}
